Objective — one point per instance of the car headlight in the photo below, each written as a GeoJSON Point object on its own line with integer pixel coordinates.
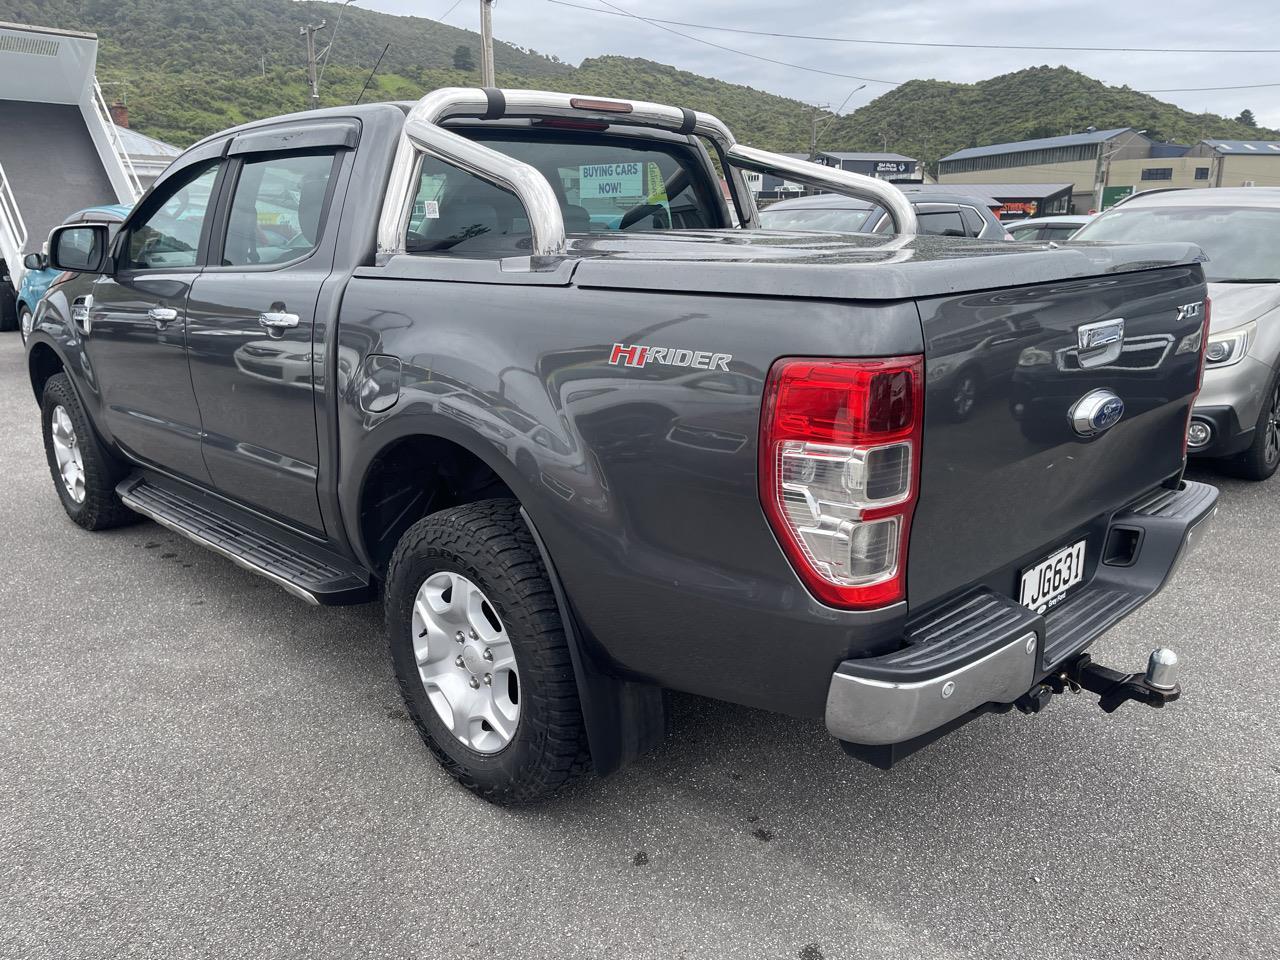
{"type": "Point", "coordinates": [1034, 357]}
{"type": "Point", "coordinates": [1229, 346]}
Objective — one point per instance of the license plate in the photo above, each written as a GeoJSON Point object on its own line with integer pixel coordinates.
{"type": "Point", "coordinates": [1045, 584]}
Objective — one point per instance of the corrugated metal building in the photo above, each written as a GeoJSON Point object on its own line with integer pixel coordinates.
{"type": "Point", "coordinates": [1077, 158]}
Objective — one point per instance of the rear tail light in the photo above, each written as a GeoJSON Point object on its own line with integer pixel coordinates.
{"type": "Point", "coordinates": [839, 469]}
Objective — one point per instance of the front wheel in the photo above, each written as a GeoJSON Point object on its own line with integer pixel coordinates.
{"type": "Point", "coordinates": [1262, 457]}
{"type": "Point", "coordinates": [84, 473]}
{"type": "Point", "coordinates": [480, 653]}
{"type": "Point", "coordinates": [26, 322]}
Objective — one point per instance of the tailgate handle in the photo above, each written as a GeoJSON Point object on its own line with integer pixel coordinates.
{"type": "Point", "coordinates": [1100, 343]}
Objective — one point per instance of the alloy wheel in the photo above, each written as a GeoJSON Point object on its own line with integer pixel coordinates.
{"type": "Point", "coordinates": [466, 662]}
{"type": "Point", "coordinates": [966, 393]}
{"type": "Point", "coordinates": [1272, 450]}
{"type": "Point", "coordinates": [26, 323]}
{"type": "Point", "coordinates": [66, 452]}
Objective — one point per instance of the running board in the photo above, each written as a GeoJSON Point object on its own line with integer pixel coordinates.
{"type": "Point", "coordinates": [306, 570]}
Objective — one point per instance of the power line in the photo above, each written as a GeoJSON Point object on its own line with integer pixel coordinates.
{"type": "Point", "coordinates": [324, 56]}
{"type": "Point", "coordinates": [720, 46]}
{"type": "Point", "coordinates": [452, 7]}
{"type": "Point", "coordinates": [911, 43]}
{"type": "Point", "coordinates": [1247, 86]}
{"type": "Point", "coordinates": [654, 22]}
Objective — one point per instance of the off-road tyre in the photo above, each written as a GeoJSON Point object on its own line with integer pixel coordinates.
{"type": "Point", "coordinates": [100, 509]}
{"type": "Point", "coordinates": [490, 544]}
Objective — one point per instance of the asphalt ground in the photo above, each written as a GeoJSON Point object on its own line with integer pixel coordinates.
{"type": "Point", "coordinates": [195, 764]}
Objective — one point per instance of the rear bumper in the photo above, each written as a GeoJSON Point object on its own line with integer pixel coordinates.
{"type": "Point", "coordinates": [985, 648]}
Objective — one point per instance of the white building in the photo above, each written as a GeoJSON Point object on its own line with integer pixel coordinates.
{"type": "Point", "coordinates": [59, 149]}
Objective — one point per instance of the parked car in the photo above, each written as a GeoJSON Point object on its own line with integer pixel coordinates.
{"type": "Point", "coordinates": [583, 462]}
{"type": "Point", "coordinates": [1046, 228]}
{"type": "Point", "coordinates": [38, 275]}
{"type": "Point", "coordinates": [940, 215]}
{"type": "Point", "coordinates": [1237, 415]}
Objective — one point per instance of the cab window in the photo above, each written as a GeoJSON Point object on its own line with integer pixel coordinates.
{"type": "Point", "coordinates": [603, 186]}
{"type": "Point", "coordinates": [168, 236]}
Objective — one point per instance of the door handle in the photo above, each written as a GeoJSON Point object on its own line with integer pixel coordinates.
{"type": "Point", "coordinates": [162, 316]}
{"type": "Point", "coordinates": [277, 321]}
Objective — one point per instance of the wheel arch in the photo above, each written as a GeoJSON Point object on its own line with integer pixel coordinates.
{"type": "Point", "coordinates": [624, 718]}
{"type": "Point", "coordinates": [395, 491]}
{"type": "Point", "coordinates": [43, 363]}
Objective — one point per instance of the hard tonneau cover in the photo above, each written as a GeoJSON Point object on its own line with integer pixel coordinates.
{"type": "Point", "coordinates": [850, 266]}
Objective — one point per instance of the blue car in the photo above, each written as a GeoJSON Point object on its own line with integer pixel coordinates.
{"type": "Point", "coordinates": [38, 275]}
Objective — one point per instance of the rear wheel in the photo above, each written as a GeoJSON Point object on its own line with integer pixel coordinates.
{"type": "Point", "coordinates": [480, 653]}
{"type": "Point", "coordinates": [84, 473]}
{"type": "Point", "coordinates": [1262, 457]}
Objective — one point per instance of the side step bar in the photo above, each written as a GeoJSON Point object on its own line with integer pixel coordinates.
{"type": "Point", "coordinates": [306, 570]}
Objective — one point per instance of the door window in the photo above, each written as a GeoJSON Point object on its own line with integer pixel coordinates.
{"type": "Point", "coordinates": [167, 237]}
{"type": "Point", "coordinates": [943, 223]}
{"type": "Point", "coordinates": [277, 209]}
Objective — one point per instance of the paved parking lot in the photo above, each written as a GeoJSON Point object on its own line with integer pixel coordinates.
{"type": "Point", "coordinates": [195, 764]}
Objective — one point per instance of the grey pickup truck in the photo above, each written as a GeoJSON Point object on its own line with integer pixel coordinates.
{"type": "Point", "coordinates": [525, 367]}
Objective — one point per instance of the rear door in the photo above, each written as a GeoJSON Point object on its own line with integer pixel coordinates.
{"type": "Point", "coordinates": [1006, 477]}
{"type": "Point", "coordinates": [251, 319]}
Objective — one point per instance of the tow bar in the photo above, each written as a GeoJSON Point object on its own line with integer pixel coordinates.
{"type": "Point", "coordinates": [1155, 688]}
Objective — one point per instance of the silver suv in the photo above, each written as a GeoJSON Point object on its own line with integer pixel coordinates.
{"type": "Point", "coordinates": [1237, 415]}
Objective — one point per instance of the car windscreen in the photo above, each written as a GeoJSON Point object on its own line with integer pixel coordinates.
{"type": "Point", "coordinates": [608, 184]}
{"type": "Point", "coordinates": [825, 219]}
{"type": "Point", "coordinates": [1242, 243]}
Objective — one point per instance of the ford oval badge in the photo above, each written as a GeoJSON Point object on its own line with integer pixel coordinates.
{"type": "Point", "coordinates": [1096, 412]}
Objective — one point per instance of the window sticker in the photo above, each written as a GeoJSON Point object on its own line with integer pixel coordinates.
{"type": "Point", "coordinates": [431, 209]}
{"type": "Point", "coordinates": [603, 180]}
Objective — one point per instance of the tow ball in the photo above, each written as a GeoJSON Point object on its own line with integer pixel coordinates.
{"type": "Point", "coordinates": [1155, 688]}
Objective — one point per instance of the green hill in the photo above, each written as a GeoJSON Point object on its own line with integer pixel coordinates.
{"type": "Point", "coordinates": [930, 118]}
{"type": "Point", "coordinates": [190, 67]}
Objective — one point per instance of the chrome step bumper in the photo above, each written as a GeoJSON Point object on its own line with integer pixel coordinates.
{"type": "Point", "coordinates": [987, 649]}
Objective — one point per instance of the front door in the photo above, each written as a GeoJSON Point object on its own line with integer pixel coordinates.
{"type": "Point", "coordinates": [135, 331]}
{"type": "Point", "coordinates": [251, 318]}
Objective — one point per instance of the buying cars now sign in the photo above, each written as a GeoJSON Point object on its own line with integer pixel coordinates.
{"type": "Point", "coordinates": [600, 180]}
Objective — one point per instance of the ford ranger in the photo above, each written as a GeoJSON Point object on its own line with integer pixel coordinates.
{"type": "Point", "coordinates": [522, 365]}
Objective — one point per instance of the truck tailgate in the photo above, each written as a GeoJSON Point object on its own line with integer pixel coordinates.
{"type": "Point", "coordinates": [1005, 477]}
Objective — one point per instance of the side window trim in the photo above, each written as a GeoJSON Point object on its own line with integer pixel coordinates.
{"type": "Point", "coordinates": [141, 214]}
{"type": "Point", "coordinates": [219, 223]}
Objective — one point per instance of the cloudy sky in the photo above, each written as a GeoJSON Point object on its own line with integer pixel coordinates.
{"type": "Point", "coordinates": [573, 34]}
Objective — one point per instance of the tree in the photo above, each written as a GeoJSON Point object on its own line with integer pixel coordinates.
{"type": "Point", "coordinates": [1246, 117]}
{"type": "Point", "coordinates": [462, 58]}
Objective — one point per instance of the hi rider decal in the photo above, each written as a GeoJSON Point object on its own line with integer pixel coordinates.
{"type": "Point", "coordinates": [638, 356]}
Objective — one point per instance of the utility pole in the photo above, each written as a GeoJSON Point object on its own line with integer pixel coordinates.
{"type": "Point", "coordinates": [486, 43]}
{"type": "Point", "coordinates": [814, 110]}
{"type": "Point", "coordinates": [310, 31]}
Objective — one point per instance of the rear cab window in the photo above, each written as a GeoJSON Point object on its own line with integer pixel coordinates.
{"type": "Point", "coordinates": [605, 185]}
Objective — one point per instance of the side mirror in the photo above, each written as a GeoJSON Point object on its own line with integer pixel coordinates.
{"type": "Point", "coordinates": [79, 248]}
{"type": "Point", "coordinates": [35, 261]}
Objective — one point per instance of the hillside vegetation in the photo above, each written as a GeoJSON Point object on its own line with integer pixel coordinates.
{"type": "Point", "coordinates": [190, 67]}
{"type": "Point", "coordinates": [931, 118]}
